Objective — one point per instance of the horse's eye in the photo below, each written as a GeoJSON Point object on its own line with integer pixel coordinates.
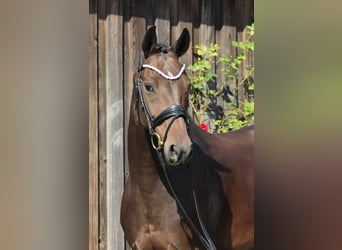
{"type": "Point", "coordinates": [148, 87]}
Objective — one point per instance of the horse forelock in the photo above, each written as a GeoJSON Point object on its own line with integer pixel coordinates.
{"type": "Point", "coordinates": [159, 48]}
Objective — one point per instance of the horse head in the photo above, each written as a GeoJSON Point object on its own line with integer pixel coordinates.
{"type": "Point", "coordinates": [162, 96]}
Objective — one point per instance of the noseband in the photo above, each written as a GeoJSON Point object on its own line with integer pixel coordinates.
{"type": "Point", "coordinates": [173, 111]}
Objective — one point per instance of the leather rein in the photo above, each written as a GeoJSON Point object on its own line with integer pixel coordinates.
{"type": "Point", "coordinates": [174, 111]}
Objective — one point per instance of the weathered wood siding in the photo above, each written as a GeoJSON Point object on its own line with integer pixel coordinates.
{"type": "Point", "coordinates": [116, 29]}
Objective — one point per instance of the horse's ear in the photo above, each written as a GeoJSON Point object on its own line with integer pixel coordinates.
{"type": "Point", "coordinates": [150, 39]}
{"type": "Point", "coordinates": [182, 44]}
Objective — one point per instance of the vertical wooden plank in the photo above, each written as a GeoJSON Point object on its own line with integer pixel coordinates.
{"type": "Point", "coordinates": [102, 122]}
{"type": "Point", "coordinates": [250, 61]}
{"type": "Point", "coordinates": [174, 19]}
{"type": "Point", "coordinates": [102, 137]}
{"type": "Point", "coordinates": [207, 31]}
{"type": "Point", "coordinates": [115, 124]}
{"type": "Point", "coordinates": [184, 21]}
{"type": "Point", "coordinates": [249, 18]}
{"type": "Point", "coordinates": [110, 124]}
{"type": "Point", "coordinates": [162, 13]}
{"type": "Point", "coordinates": [149, 9]}
{"type": "Point", "coordinates": [241, 37]}
{"type": "Point", "coordinates": [196, 7]}
{"type": "Point", "coordinates": [93, 129]}
{"type": "Point", "coordinates": [206, 37]}
{"type": "Point", "coordinates": [224, 38]}
{"type": "Point", "coordinates": [243, 11]}
{"type": "Point", "coordinates": [134, 30]}
{"type": "Point", "coordinates": [128, 82]}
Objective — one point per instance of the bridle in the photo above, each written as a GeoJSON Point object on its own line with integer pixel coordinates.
{"type": "Point", "coordinates": [174, 111]}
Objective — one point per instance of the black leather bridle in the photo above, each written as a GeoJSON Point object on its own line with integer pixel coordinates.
{"type": "Point", "coordinates": [174, 111]}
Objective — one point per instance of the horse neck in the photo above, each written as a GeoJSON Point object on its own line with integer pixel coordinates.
{"type": "Point", "coordinates": [142, 168]}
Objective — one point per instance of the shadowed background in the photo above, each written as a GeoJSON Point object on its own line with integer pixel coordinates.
{"type": "Point", "coordinates": [44, 125]}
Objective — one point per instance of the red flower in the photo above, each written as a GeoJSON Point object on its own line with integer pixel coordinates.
{"type": "Point", "coordinates": [204, 126]}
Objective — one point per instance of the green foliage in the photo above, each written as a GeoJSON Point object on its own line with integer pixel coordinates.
{"type": "Point", "coordinates": [204, 92]}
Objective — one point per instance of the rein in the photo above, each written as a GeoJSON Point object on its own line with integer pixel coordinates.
{"type": "Point", "coordinates": [174, 111]}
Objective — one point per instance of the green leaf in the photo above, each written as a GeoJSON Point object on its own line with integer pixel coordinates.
{"type": "Point", "coordinates": [250, 45]}
{"type": "Point", "coordinates": [211, 92]}
{"type": "Point", "coordinates": [202, 51]}
{"type": "Point", "coordinates": [235, 44]}
{"type": "Point", "coordinates": [206, 64]}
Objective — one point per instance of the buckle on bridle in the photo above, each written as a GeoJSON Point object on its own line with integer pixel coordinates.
{"type": "Point", "coordinates": [156, 141]}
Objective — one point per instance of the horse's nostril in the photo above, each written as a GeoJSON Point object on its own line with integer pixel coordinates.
{"type": "Point", "coordinates": [173, 153]}
{"type": "Point", "coordinates": [176, 154]}
{"type": "Point", "coordinates": [173, 148]}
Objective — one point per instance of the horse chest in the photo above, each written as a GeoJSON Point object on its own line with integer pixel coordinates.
{"type": "Point", "coordinates": [157, 231]}
{"type": "Point", "coordinates": [152, 221]}
{"type": "Point", "coordinates": [151, 236]}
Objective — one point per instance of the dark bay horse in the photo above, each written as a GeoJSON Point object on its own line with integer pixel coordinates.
{"type": "Point", "coordinates": [165, 148]}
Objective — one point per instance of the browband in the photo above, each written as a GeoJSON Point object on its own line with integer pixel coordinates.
{"type": "Point", "coordinates": [168, 77]}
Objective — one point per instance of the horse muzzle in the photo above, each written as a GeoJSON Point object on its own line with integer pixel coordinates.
{"type": "Point", "coordinates": [177, 147]}
{"type": "Point", "coordinates": [175, 143]}
{"type": "Point", "coordinates": [177, 155]}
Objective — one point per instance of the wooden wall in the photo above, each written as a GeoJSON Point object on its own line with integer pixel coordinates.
{"type": "Point", "coordinates": [116, 29]}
